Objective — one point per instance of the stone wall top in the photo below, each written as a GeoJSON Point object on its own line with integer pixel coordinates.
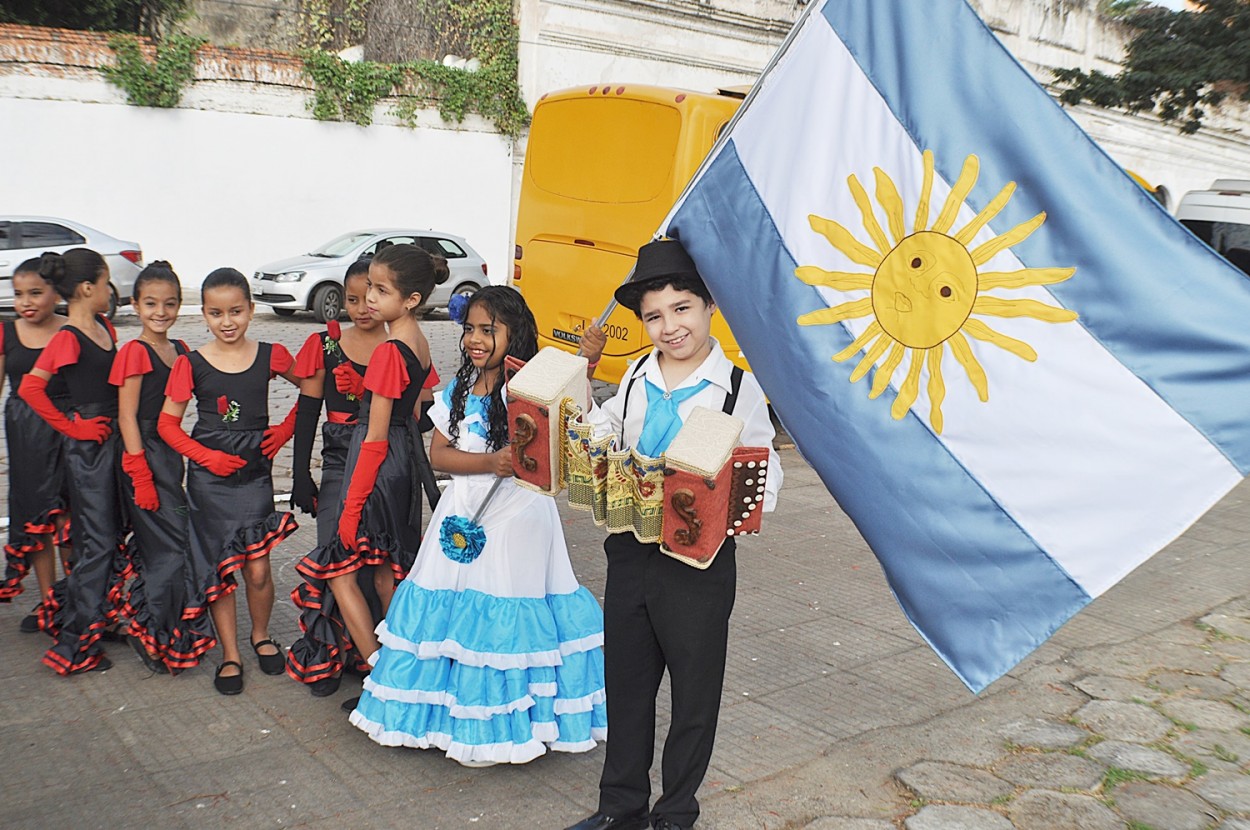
{"type": "Point", "coordinates": [37, 50]}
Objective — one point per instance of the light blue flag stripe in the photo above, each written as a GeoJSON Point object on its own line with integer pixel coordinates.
{"type": "Point", "coordinates": [1171, 310]}
{"type": "Point", "coordinates": [1000, 594]}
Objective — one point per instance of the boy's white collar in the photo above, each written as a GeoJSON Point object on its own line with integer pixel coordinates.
{"type": "Point", "coordinates": [716, 368]}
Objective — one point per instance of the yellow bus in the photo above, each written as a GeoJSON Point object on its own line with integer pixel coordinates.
{"type": "Point", "coordinates": [604, 164]}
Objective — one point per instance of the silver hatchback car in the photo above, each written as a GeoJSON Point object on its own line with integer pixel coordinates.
{"type": "Point", "coordinates": [314, 281]}
{"type": "Point", "coordinates": [24, 237]}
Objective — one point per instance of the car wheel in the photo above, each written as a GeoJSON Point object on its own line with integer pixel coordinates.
{"type": "Point", "coordinates": [113, 301]}
{"type": "Point", "coordinates": [327, 303]}
{"type": "Point", "coordinates": [284, 312]}
{"type": "Point", "coordinates": [466, 289]}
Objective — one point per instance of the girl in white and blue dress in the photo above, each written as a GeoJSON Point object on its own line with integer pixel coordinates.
{"type": "Point", "coordinates": [499, 658]}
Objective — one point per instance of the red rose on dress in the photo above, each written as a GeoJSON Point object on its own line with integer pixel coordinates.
{"type": "Point", "coordinates": [223, 405]}
{"type": "Point", "coordinates": [334, 329]}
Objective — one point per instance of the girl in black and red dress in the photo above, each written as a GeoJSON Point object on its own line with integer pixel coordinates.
{"type": "Point", "coordinates": [331, 367]}
{"type": "Point", "coordinates": [152, 484]}
{"type": "Point", "coordinates": [37, 500]}
{"type": "Point", "coordinates": [379, 511]}
{"type": "Point", "coordinates": [229, 487]}
{"type": "Point", "coordinates": [79, 607]}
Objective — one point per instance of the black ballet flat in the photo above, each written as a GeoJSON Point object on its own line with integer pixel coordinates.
{"type": "Point", "coordinates": [113, 635]}
{"type": "Point", "coordinates": [104, 665]}
{"type": "Point", "coordinates": [154, 664]}
{"type": "Point", "coordinates": [228, 685]}
{"type": "Point", "coordinates": [270, 663]}
{"type": "Point", "coordinates": [349, 705]}
{"type": "Point", "coordinates": [325, 687]}
{"type": "Point", "coordinates": [29, 624]}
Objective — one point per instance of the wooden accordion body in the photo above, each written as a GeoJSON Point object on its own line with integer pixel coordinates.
{"type": "Point", "coordinates": [703, 490]}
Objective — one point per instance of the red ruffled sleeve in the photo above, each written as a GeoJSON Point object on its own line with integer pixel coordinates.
{"type": "Point", "coordinates": [311, 358]}
{"type": "Point", "coordinates": [132, 359]}
{"type": "Point", "coordinates": [181, 384]}
{"type": "Point", "coordinates": [431, 380]}
{"type": "Point", "coordinates": [62, 350]}
{"type": "Point", "coordinates": [280, 360]}
{"type": "Point", "coordinates": [387, 374]}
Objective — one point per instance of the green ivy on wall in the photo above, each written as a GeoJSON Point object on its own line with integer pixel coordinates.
{"type": "Point", "coordinates": [346, 91]}
{"type": "Point", "coordinates": [157, 83]}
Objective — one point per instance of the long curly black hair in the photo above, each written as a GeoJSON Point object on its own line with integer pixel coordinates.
{"type": "Point", "coordinates": [504, 305]}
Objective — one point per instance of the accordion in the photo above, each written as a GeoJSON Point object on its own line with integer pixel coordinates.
{"type": "Point", "coordinates": [704, 489]}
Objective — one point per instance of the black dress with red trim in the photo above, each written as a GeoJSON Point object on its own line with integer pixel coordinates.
{"type": "Point", "coordinates": [160, 540]}
{"type": "Point", "coordinates": [390, 522]}
{"type": "Point", "coordinates": [81, 606]}
{"type": "Point", "coordinates": [232, 517]}
{"type": "Point", "coordinates": [322, 352]}
{"type": "Point", "coordinates": [36, 462]}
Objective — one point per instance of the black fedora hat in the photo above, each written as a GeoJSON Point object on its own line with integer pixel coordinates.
{"type": "Point", "coordinates": [658, 260]}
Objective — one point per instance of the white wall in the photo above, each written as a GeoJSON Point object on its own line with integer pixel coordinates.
{"type": "Point", "coordinates": [207, 188]}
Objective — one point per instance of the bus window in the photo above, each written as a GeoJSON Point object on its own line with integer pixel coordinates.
{"type": "Point", "coordinates": [616, 150]}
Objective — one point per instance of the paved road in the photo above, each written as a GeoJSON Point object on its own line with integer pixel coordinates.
{"type": "Point", "coordinates": [835, 714]}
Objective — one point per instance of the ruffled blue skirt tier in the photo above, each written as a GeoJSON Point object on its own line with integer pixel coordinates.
{"type": "Point", "coordinates": [487, 679]}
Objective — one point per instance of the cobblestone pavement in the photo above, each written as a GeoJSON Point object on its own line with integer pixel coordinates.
{"type": "Point", "coordinates": [835, 716]}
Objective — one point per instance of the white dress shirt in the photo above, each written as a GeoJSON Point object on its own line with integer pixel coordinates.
{"type": "Point", "coordinates": [751, 409]}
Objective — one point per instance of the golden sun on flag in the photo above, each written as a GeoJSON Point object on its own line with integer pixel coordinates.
{"type": "Point", "coordinates": [926, 287]}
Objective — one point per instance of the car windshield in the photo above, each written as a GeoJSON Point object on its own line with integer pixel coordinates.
{"type": "Point", "coordinates": [340, 245]}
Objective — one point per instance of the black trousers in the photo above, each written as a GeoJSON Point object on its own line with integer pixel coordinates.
{"type": "Point", "coordinates": [658, 614]}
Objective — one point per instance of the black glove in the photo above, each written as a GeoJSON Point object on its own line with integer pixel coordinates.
{"type": "Point", "coordinates": [303, 489]}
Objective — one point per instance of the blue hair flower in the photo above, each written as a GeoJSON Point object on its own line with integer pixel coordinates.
{"type": "Point", "coordinates": [456, 308]}
{"type": "Point", "coordinates": [462, 539]}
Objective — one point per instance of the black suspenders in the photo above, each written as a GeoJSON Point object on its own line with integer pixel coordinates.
{"type": "Point", "coordinates": [731, 397]}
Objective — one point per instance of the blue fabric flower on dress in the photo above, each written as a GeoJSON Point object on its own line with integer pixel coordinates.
{"type": "Point", "coordinates": [456, 307]}
{"type": "Point", "coordinates": [462, 539]}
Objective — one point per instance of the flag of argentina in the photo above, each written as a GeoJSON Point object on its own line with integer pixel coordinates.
{"type": "Point", "coordinates": [1014, 370]}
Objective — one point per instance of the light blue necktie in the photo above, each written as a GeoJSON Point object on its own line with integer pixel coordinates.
{"type": "Point", "coordinates": [661, 423]}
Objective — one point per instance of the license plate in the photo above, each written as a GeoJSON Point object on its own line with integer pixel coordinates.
{"type": "Point", "coordinates": [258, 288]}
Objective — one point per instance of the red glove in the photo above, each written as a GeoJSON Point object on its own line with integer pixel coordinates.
{"type": "Point", "coordinates": [278, 434]}
{"type": "Point", "coordinates": [135, 465]}
{"type": "Point", "coordinates": [364, 476]}
{"type": "Point", "coordinates": [219, 463]}
{"type": "Point", "coordinates": [348, 381]}
{"type": "Point", "coordinates": [34, 390]}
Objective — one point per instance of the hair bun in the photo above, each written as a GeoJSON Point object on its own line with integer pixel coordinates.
{"type": "Point", "coordinates": [52, 266]}
{"type": "Point", "coordinates": [161, 263]}
{"type": "Point", "coordinates": [442, 272]}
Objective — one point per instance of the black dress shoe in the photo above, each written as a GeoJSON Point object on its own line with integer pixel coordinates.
{"type": "Point", "coordinates": [273, 664]}
{"type": "Point", "coordinates": [349, 705]}
{"type": "Point", "coordinates": [665, 824]}
{"type": "Point", "coordinates": [326, 686]}
{"type": "Point", "coordinates": [230, 684]}
{"type": "Point", "coordinates": [600, 821]}
{"type": "Point", "coordinates": [29, 624]}
{"type": "Point", "coordinates": [153, 664]}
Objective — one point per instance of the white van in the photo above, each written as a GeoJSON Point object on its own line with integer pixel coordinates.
{"type": "Point", "coordinates": [1221, 218]}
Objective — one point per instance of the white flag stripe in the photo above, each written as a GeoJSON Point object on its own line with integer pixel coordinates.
{"type": "Point", "coordinates": [1096, 466]}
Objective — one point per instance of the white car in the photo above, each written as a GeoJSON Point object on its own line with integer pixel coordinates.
{"type": "Point", "coordinates": [26, 237]}
{"type": "Point", "coordinates": [1221, 218]}
{"type": "Point", "coordinates": [314, 281]}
